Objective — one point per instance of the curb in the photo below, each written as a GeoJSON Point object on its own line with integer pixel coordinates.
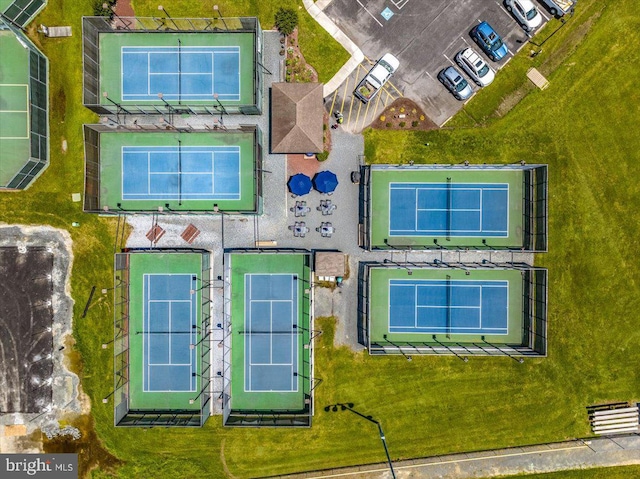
{"type": "Point", "coordinates": [356, 54]}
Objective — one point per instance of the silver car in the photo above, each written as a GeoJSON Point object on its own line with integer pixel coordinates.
{"type": "Point", "coordinates": [455, 83]}
{"type": "Point", "coordinates": [473, 64]}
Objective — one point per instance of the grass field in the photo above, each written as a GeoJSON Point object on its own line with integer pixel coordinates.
{"type": "Point", "coordinates": [581, 125]}
{"type": "Point", "coordinates": [319, 49]}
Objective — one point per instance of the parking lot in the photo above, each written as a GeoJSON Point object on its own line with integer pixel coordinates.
{"type": "Point", "coordinates": [425, 37]}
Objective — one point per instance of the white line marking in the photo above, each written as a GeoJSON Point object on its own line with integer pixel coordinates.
{"type": "Point", "coordinates": [372, 15]}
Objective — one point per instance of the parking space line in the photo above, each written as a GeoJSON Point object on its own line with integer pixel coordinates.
{"type": "Point", "coordinates": [466, 42]}
{"type": "Point", "coordinates": [394, 87]}
{"type": "Point", "coordinates": [333, 102]}
{"type": "Point", "coordinates": [372, 16]}
{"type": "Point", "coordinates": [401, 4]}
{"type": "Point", "coordinates": [427, 73]}
{"type": "Point", "coordinates": [344, 95]}
{"type": "Point", "coordinates": [505, 10]}
{"type": "Point", "coordinates": [365, 114]}
{"type": "Point", "coordinates": [448, 59]}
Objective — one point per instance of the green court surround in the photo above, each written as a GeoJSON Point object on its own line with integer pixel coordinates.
{"type": "Point", "coordinates": [277, 264]}
{"type": "Point", "coordinates": [110, 62]}
{"type": "Point", "coordinates": [379, 304]}
{"type": "Point", "coordinates": [379, 205]}
{"type": "Point", "coordinates": [166, 263]}
{"type": "Point", "coordinates": [111, 144]}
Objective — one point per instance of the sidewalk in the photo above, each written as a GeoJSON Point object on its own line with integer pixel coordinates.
{"type": "Point", "coordinates": [561, 456]}
{"type": "Point", "coordinates": [356, 54]}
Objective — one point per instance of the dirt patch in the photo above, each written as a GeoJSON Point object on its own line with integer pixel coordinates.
{"type": "Point", "coordinates": [91, 454]}
{"type": "Point", "coordinates": [59, 106]}
{"type": "Point", "coordinates": [403, 114]}
{"type": "Point", "coordinates": [124, 8]}
{"type": "Point", "coordinates": [509, 102]}
{"type": "Point", "coordinates": [297, 70]}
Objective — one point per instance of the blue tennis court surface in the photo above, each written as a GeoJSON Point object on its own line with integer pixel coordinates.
{"type": "Point", "coordinates": [169, 330]}
{"type": "Point", "coordinates": [190, 73]}
{"type": "Point", "coordinates": [183, 173]}
{"type": "Point", "coordinates": [448, 306]}
{"type": "Point", "coordinates": [271, 333]}
{"type": "Point", "coordinates": [449, 209]}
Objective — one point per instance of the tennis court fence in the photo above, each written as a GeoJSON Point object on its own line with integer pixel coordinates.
{"type": "Point", "coordinates": [280, 418]}
{"type": "Point", "coordinates": [534, 206]}
{"type": "Point", "coordinates": [534, 316]}
{"type": "Point", "coordinates": [123, 414]}
{"type": "Point", "coordinates": [94, 203]}
{"type": "Point", "coordinates": [38, 107]}
{"type": "Point", "coordinates": [94, 27]}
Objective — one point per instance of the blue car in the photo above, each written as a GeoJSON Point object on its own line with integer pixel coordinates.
{"type": "Point", "coordinates": [489, 41]}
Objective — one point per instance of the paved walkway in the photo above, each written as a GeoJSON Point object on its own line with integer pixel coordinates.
{"type": "Point", "coordinates": [357, 56]}
{"type": "Point", "coordinates": [561, 456]}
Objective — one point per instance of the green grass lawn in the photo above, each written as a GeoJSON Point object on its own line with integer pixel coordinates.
{"type": "Point", "coordinates": [318, 47]}
{"type": "Point", "coordinates": [583, 125]}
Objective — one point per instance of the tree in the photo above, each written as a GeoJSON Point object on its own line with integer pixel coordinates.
{"type": "Point", "coordinates": [286, 20]}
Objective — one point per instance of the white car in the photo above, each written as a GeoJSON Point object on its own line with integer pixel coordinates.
{"type": "Point", "coordinates": [525, 12]}
{"type": "Point", "coordinates": [473, 64]}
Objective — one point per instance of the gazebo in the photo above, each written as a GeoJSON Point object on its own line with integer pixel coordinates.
{"type": "Point", "coordinates": [296, 118]}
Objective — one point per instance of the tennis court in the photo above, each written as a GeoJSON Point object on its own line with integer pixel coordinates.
{"type": "Point", "coordinates": [169, 332]}
{"type": "Point", "coordinates": [448, 305]}
{"type": "Point", "coordinates": [444, 206]}
{"type": "Point", "coordinates": [186, 68]}
{"type": "Point", "coordinates": [449, 209]}
{"type": "Point", "coordinates": [14, 113]}
{"type": "Point", "coordinates": [147, 170]}
{"type": "Point", "coordinates": [15, 142]}
{"type": "Point", "coordinates": [270, 326]}
{"type": "Point", "coordinates": [190, 73]}
{"type": "Point", "coordinates": [180, 173]}
{"type": "Point", "coordinates": [271, 330]}
{"type": "Point", "coordinates": [165, 330]}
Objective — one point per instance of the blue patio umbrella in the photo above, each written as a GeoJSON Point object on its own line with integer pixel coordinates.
{"type": "Point", "coordinates": [325, 181]}
{"type": "Point", "coordinates": [299, 184]}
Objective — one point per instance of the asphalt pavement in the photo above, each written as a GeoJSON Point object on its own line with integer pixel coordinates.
{"type": "Point", "coordinates": [425, 36]}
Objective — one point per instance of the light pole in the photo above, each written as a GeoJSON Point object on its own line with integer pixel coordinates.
{"type": "Point", "coordinates": [349, 407]}
{"type": "Point", "coordinates": [162, 9]}
{"type": "Point", "coordinates": [169, 107]}
{"type": "Point", "coordinates": [217, 9]}
{"type": "Point", "coordinates": [220, 107]}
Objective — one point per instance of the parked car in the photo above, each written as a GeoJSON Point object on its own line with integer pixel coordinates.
{"type": "Point", "coordinates": [376, 78]}
{"type": "Point", "coordinates": [455, 83]}
{"type": "Point", "coordinates": [559, 7]}
{"type": "Point", "coordinates": [489, 41]}
{"type": "Point", "coordinates": [525, 13]}
{"type": "Point", "coordinates": [473, 64]}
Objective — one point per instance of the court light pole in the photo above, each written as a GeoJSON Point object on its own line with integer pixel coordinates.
{"type": "Point", "coordinates": [162, 9]}
{"type": "Point", "coordinates": [349, 407]}
{"type": "Point", "coordinates": [216, 8]}
{"type": "Point", "coordinates": [117, 105]}
{"type": "Point", "coordinates": [220, 107]}
{"type": "Point", "coordinates": [169, 107]}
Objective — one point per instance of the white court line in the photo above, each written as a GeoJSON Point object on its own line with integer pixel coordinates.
{"type": "Point", "coordinates": [372, 16]}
